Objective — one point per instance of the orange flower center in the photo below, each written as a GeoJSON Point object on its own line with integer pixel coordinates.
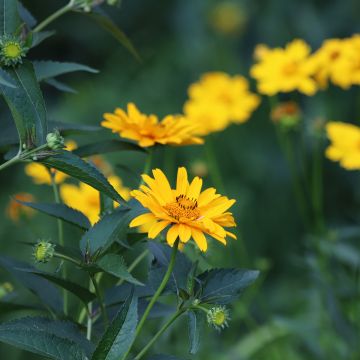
{"type": "Point", "coordinates": [290, 68]}
{"type": "Point", "coordinates": [183, 208]}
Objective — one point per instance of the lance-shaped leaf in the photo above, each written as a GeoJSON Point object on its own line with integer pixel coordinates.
{"type": "Point", "coordinates": [73, 165]}
{"type": "Point", "coordinates": [120, 334]}
{"type": "Point", "coordinates": [69, 128]}
{"type": "Point", "coordinates": [61, 211]}
{"type": "Point", "coordinates": [82, 293]}
{"type": "Point", "coordinates": [59, 85]}
{"type": "Point", "coordinates": [6, 80]}
{"type": "Point", "coordinates": [26, 105]}
{"type": "Point", "coordinates": [43, 289]}
{"type": "Point", "coordinates": [115, 265]}
{"type": "Point", "coordinates": [9, 17]}
{"type": "Point", "coordinates": [39, 37]}
{"type": "Point", "coordinates": [106, 147]}
{"type": "Point", "coordinates": [47, 69]}
{"type": "Point", "coordinates": [196, 321]}
{"type": "Point", "coordinates": [26, 15]}
{"type": "Point", "coordinates": [50, 338]}
{"type": "Point", "coordinates": [222, 286]}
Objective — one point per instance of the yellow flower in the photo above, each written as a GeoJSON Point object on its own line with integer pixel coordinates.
{"type": "Point", "coordinates": [87, 199]}
{"type": "Point", "coordinates": [345, 144]}
{"type": "Point", "coordinates": [218, 99]}
{"type": "Point", "coordinates": [147, 130]}
{"type": "Point", "coordinates": [40, 173]}
{"type": "Point", "coordinates": [285, 70]}
{"type": "Point", "coordinates": [188, 212]}
{"type": "Point", "coordinates": [14, 209]}
{"type": "Point", "coordinates": [338, 61]}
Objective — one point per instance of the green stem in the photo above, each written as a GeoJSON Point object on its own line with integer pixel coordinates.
{"type": "Point", "coordinates": [67, 258]}
{"type": "Point", "coordinates": [156, 295]}
{"type": "Point", "coordinates": [54, 16]}
{"type": "Point", "coordinates": [89, 322]}
{"type": "Point", "coordinates": [10, 162]}
{"type": "Point", "coordinates": [60, 236]}
{"type": "Point", "coordinates": [158, 334]}
{"type": "Point", "coordinates": [147, 166]}
{"type": "Point", "coordinates": [100, 300]}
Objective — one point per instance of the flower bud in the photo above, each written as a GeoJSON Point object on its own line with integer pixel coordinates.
{"type": "Point", "coordinates": [55, 141]}
{"type": "Point", "coordinates": [12, 50]}
{"type": "Point", "coordinates": [218, 317]}
{"type": "Point", "coordinates": [286, 114]}
{"type": "Point", "coordinates": [43, 251]}
{"type": "Point", "coordinates": [5, 289]}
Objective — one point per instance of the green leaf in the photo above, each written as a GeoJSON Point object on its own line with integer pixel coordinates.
{"type": "Point", "coordinates": [163, 357]}
{"type": "Point", "coordinates": [51, 338]}
{"type": "Point", "coordinates": [46, 69]}
{"type": "Point", "coordinates": [9, 17]}
{"type": "Point", "coordinates": [27, 105]}
{"type": "Point", "coordinates": [222, 286]}
{"type": "Point", "coordinates": [120, 334]}
{"type": "Point", "coordinates": [69, 128]}
{"type": "Point", "coordinates": [108, 25]}
{"type": "Point", "coordinates": [26, 15]}
{"type": "Point", "coordinates": [73, 165]}
{"type": "Point", "coordinates": [39, 37]}
{"type": "Point", "coordinates": [115, 265]}
{"type": "Point", "coordinates": [61, 211]}
{"type": "Point", "coordinates": [107, 146]}
{"type": "Point", "coordinates": [196, 321]}
{"type": "Point", "coordinates": [59, 85]}
{"type": "Point", "coordinates": [6, 80]}
{"type": "Point", "coordinates": [82, 293]}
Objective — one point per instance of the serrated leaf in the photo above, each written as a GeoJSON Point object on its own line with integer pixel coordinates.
{"type": "Point", "coordinates": [105, 147]}
{"type": "Point", "coordinates": [120, 334]}
{"type": "Point", "coordinates": [26, 15]}
{"type": "Point", "coordinates": [196, 321]}
{"type": "Point", "coordinates": [51, 338]}
{"type": "Point", "coordinates": [60, 211]}
{"type": "Point", "coordinates": [46, 69]}
{"type": "Point", "coordinates": [59, 85]}
{"type": "Point", "coordinates": [26, 105]}
{"type": "Point", "coordinates": [9, 17]}
{"type": "Point", "coordinates": [222, 286]}
{"type": "Point", "coordinates": [74, 166]}
{"type": "Point", "coordinates": [6, 80]}
{"type": "Point", "coordinates": [108, 25]}
{"type": "Point", "coordinates": [39, 37]}
{"type": "Point", "coordinates": [69, 128]}
{"type": "Point", "coordinates": [43, 289]}
{"type": "Point", "coordinates": [82, 293]}
{"type": "Point", "coordinates": [115, 265]}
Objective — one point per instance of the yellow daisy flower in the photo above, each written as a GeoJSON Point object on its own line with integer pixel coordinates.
{"type": "Point", "coordinates": [218, 99]}
{"type": "Point", "coordinates": [345, 144]}
{"type": "Point", "coordinates": [87, 199]}
{"type": "Point", "coordinates": [40, 173]}
{"type": "Point", "coordinates": [285, 70]}
{"type": "Point", "coordinates": [14, 209]}
{"type": "Point", "coordinates": [186, 210]}
{"type": "Point", "coordinates": [147, 130]}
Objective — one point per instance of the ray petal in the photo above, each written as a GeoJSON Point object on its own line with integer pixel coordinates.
{"type": "Point", "coordinates": [157, 228]}
{"type": "Point", "coordinates": [172, 234]}
{"type": "Point", "coordinates": [184, 233]}
{"type": "Point", "coordinates": [182, 183]}
{"type": "Point", "coordinates": [199, 238]}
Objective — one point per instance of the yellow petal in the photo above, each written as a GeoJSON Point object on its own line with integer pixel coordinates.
{"type": "Point", "coordinates": [182, 183]}
{"type": "Point", "coordinates": [157, 228]}
{"type": "Point", "coordinates": [199, 238]}
{"type": "Point", "coordinates": [194, 188]}
{"type": "Point", "coordinates": [184, 233]}
{"type": "Point", "coordinates": [142, 219]}
{"type": "Point", "coordinates": [172, 234]}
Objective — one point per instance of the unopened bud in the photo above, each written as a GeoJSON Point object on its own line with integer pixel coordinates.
{"type": "Point", "coordinates": [218, 317]}
{"type": "Point", "coordinates": [43, 251]}
{"type": "Point", "coordinates": [55, 141]}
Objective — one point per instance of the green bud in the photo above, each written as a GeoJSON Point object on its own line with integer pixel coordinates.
{"type": "Point", "coordinates": [43, 251]}
{"type": "Point", "coordinates": [12, 50]}
{"type": "Point", "coordinates": [55, 141]}
{"type": "Point", "coordinates": [218, 317]}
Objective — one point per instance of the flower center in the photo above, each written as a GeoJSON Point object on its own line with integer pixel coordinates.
{"type": "Point", "coordinates": [290, 68]}
{"type": "Point", "coordinates": [183, 208]}
{"type": "Point", "coordinates": [219, 318]}
{"type": "Point", "coordinates": [12, 50]}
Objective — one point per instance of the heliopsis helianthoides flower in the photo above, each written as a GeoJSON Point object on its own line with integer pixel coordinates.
{"type": "Point", "coordinates": [40, 173]}
{"type": "Point", "coordinates": [186, 211]}
{"type": "Point", "coordinates": [87, 199]}
{"type": "Point", "coordinates": [15, 210]}
{"type": "Point", "coordinates": [219, 99]}
{"type": "Point", "coordinates": [338, 61]}
{"type": "Point", "coordinates": [147, 130]}
{"type": "Point", "coordinates": [285, 70]}
{"type": "Point", "coordinates": [345, 144]}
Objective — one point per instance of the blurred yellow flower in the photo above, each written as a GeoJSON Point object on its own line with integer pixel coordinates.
{"type": "Point", "coordinates": [186, 210]}
{"type": "Point", "coordinates": [285, 70]}
{"type": "Point", "coordinates": [87, 199]}
{"type": "Point", "coordinates": [40, 173]}
{"type": "Point", "coordinates": [338, 61]}
{"type": "Point", "coordinates": [147, 130]}
{"type": "Point", "coordinates": [14, 209]}
{"type": "Point", "coordinates": [345, 144]}
{"type": "Point", "coordinates": [218, 99]}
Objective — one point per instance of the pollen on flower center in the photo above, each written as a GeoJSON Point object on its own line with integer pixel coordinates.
{"type": "Point", "coordinates": [183, 208]}
{"type": "Point", "coordinates": [12, 50]}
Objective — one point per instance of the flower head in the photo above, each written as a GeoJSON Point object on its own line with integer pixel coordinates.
{"type": "Point", "coordinates": [285, 70]}
{"type": "Point", "coordinates": [287, 114]}
{"type": "Point", "coordinates": [43, 251]}
{"type": "Point", "coordinates": [15, 209]}
{"type": "Point", "coordinates": [345, 144]}
{"type": "Point", "coordinates": [12, 50]}
{"type": "Point", "coordinates": [187, 211]}
{"type": "Point", "coordinates": [218, 317]}
{"type": "Point", "coordinates": [55, 140]}
{"type": "Point", "coordinates": [219, 99]}
{"type": "Point", "coordinates": [87, 200]}
{"type": "Point", "coordinates": [147, 130]}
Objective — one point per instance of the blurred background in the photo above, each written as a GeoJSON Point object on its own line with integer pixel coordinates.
{"type": "Point", "coordinates": [294, 311]}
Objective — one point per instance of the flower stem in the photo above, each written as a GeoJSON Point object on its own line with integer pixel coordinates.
{"type": "Point", "coordinates": [89, 322]}
{"type": "Point", "coordinates": [158, 334]}
{"type": "Point", "coordinates": [10, 162]}
{"type": "Point", "coordinates": [156, 295]}
{"type": "Point", "coordinates": [100, 300]}
{"type": "Point", "coordinates": [147, 165]}
{"type": "Point", "coordinates": [54, 16]}
{"type": "Point", "coordinates": [67, 258]}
